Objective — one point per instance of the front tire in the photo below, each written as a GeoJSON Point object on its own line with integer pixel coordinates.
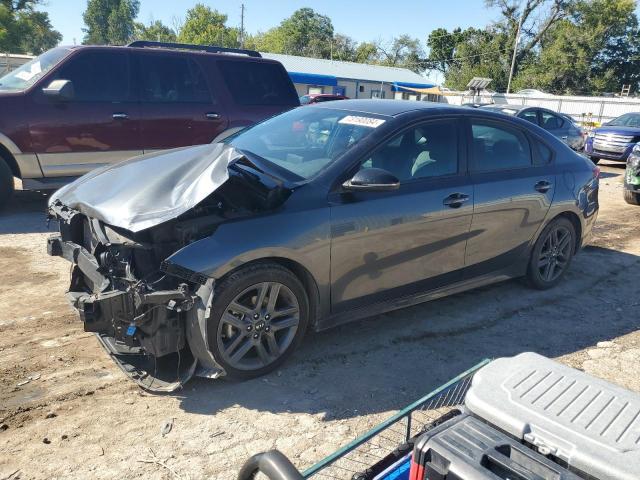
{"type": "Point", "coordinates": [552, 254]}
{"type": "Point", "coordinates": [258, 318]}
{"type": "Point", "coordinates": [6, 183]}
{"type": "Point", "coordinates": [632, 198]}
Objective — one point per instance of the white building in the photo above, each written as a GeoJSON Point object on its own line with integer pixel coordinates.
{"type": "Point", "coordinates": [355, 80]}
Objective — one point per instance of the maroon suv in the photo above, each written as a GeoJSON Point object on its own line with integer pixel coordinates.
{"type": "Point", "coordinates": [73, 109]}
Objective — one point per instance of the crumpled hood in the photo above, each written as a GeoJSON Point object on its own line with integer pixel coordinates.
{"type": "Point", "coordinates": [151, 189]}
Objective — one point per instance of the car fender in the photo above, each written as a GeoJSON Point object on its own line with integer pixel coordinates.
{"type": "Point", "coordinates": [302, 237]}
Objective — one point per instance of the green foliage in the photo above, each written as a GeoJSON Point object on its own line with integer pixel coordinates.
{"type": "Point", "coordinates": [305, 33]}
{"type": "Point", "coordinates": [591, 51]}
{"type": "Point", "coordinates": [155, 31]}
{"type": "Point", "coordinates": [110, 22]}
{"type": "Point", "coordinates": [566, 46]}
{"type": "Point", "coordinates": [206, 26]}
{"type": "Point", "coordinates": [23, 29]}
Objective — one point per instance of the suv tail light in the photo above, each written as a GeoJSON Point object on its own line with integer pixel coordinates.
{"type": "Point", "coordinates": [596, 172]}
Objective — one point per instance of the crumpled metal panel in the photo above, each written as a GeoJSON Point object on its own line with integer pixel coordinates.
{"type": "Point", "coordinates": [151, 189]}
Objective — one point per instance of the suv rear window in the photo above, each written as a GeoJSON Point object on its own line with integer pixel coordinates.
{"type": "Point", "coordinates": [258, 83]}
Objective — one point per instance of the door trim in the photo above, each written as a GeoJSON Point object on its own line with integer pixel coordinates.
{"type": "Point", "coordinates": [77, 163]}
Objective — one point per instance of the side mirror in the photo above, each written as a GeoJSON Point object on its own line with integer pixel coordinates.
{"type": "Point", "coordinates": [372, 179]}
{"type": "Point", "coordinates": [59, 90]}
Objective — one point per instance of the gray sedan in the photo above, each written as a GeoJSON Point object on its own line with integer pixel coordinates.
{"type": "Point", "coordinates": [558, 124]}
{"type": "Point", "coordinates": [217, 258]}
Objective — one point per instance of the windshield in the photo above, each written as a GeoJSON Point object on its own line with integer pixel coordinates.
{"type": "Point", "coordinates": [29, 73]}
{"type": "Point", "coordinates": [305, 140]}
{"type": "Point", "coordinates": [626, 120]}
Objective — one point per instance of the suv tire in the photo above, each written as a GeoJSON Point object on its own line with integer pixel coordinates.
{"type": "Point", "coordinates": [249, 337]}
{"type": "Point", "coordinates": [632, 198]}
{"type": "Point", "coordinates": [595, 160]}
{"type": "Point", "coordinates": [6, 183]}
{"type": "Point", "coordinates": [552, 254]}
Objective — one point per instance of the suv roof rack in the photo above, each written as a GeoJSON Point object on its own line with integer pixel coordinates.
{"type": "Point", "coordinates": [189, 46]}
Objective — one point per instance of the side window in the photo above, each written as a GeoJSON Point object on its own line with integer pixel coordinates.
{"type": "Point", "coordinates": [172, 79]}
{"type": "Point", "coordinates": [258, 83]}
{"type": "Point", "coordinates": [551, 121]}
{"type": "Point", "coordinates": [498, 147]}
{"type": "Point", "coordinates": [531, 116]}
{"type": "Point", "coordinates": [98, 76]}
{"type": "Point", "coordinates": [425, 151]}
{"type": "Point", "coordinates": [544, 154]}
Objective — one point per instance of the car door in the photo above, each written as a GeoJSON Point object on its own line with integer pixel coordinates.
{"type": "Point", "coordinates": [513, 190]}
{"type": "Point", "coordinates": [386, 245]}
{"type": "Point", "coordinates": [99, 125]}
{"type": "Point", "coordinates": [177, 106]}
{"type": "Point", "coordinates": [555, 124]}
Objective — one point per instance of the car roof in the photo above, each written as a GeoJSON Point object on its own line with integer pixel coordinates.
{"type": "Point", "coordinates": [390, 108]}
{"type": "Point", "coordinates": [219, 55]}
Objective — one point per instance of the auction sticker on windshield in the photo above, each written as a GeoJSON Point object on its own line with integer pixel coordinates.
{"type": "Point", "coordinates": [362, 121]}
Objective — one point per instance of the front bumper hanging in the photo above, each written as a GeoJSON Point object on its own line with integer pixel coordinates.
{"type": "Point", "coordinates": [143, 330]}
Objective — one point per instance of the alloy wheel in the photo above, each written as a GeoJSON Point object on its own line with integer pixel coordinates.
{"type": "Point", "coordinates": [258, 326]}
{"type": "Point", "coordinates": [555, 253]}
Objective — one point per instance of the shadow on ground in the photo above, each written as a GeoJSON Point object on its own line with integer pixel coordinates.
{"type": "Point", "coordinates": [386, 362]}
{"type": "Point", "coordinates": [25, 213]}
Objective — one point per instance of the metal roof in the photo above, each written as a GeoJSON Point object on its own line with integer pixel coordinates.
{"type": "Point", "coordinates": [347, 70]}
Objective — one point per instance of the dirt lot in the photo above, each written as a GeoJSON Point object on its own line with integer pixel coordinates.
{"type": "Point", "coordinates": [67, 412]}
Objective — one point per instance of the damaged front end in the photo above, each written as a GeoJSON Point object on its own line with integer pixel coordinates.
{"type": "Point", "coordinates": [148, 313]}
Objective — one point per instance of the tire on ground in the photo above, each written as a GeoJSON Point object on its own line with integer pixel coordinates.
{"type": "Point", "coordinates": [632, 198]}
{"type": "Point", "coordinates": [6, 183]}
{"type": "Point", "coordinates": [534, 277]}
{"type": "Point", "coordinates": [231, 286]}
{"type": "Point", "coordinates": [595, 160]}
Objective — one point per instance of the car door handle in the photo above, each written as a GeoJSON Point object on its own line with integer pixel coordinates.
{"type": "Point", "coordinates": [212, 115]}
{"type": "Point", "coordinates": [456, 200]}
{"type": "Point", "coordinates": [120, 116]}
{"type": "Point", "coordinates": [565, 137]}
{"type": "Point", "coordinates": [542, 186]}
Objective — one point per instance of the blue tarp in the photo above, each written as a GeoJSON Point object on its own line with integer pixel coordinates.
{"type": "Point", "coordinates": [398, 86]}
{"type": "Point", "coordinates": [313, 79]}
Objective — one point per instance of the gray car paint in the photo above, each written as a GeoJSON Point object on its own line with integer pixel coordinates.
{"type": "Point", "coordinates": [309, 231]}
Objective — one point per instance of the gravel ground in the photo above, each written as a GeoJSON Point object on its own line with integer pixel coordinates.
{"type": "Point", "coordinates": [66, 411]}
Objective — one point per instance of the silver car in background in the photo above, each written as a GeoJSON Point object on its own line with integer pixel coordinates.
{"type": "Point", "coordinates": [558, 124]}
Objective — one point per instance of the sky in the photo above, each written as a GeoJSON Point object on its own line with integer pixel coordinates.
{"type": "Point", "coordinates": [360, 19]}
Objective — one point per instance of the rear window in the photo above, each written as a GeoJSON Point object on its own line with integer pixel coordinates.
{"type": "Point", "coordinates": [258, 83]}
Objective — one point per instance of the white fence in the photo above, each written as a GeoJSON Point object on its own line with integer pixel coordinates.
{"type": "Point", "coordinates": [583, 109]}
{"type": "Point", "coordinates": [10, 61]}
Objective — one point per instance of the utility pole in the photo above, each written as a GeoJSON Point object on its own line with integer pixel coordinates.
{"type": "Point", "coordinates": [515, 51]}
{"type": "Point", "coordinates": [242, 25]}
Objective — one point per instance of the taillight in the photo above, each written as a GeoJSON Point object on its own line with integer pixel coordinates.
{"type": "Point", "coordinates": [596, 172]}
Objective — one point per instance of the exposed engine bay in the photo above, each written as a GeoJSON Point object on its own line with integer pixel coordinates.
{"type": "Point", "coordinates": [149, 313]}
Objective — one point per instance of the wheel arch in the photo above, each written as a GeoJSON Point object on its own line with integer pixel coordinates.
{"type": "Point", "coordinates": [10, 160]}
{"type": "Point", "coordinates": [301, 272]}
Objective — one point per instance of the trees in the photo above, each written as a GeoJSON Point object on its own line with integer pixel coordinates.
{"type": "Point", "coordinates": [23, 29]}
{"type": "Point", "coordinates": [592, 50]}
{"type": "Point", "coordinates": [206, 26]}
{"type": "Point", "coordinates": [155, 31]}
{"type": "Point", "coordinates": [110, 22]}
{"type": "Point", "coordinates": [305, 33]}
{"type": "Point", "coordinates": [567, 46]}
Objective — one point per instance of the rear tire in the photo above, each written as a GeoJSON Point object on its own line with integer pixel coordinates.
{"type": "Point", "coordinates": [595, 160]}
{"type": "Point", "coordinates": [6, 184]}
{"type": "Point", "coordinates": [249, 337]}
{"type": "Point", "coordinates": [632, 198]}
{"type": "Point", "coordinates": [552, 254]}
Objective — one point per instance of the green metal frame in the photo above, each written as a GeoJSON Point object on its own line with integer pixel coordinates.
{"type": "Point", "coordinates": [405, 412]}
